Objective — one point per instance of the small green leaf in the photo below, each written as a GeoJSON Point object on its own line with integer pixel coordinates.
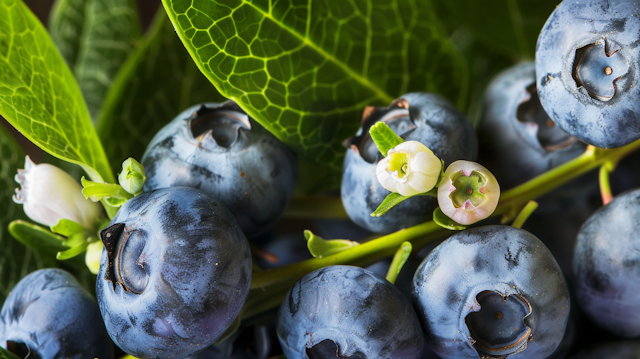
{"type": "Point", "coordinates": [37, 238]}
{"type": "Point", "coordinates": [73, 252]}
{"type": "Point", "coordinates": [39, 95]}
{"type": "Point", "coordinates": [320, 248]}
{"type": "Point", "coordinates": [16, 260]}
{"type": "Point", "coordinates": [5, 354]}
{"type": "Point", "coordinates": [399, 259]}
{"type": "Point", "coordinates": [94, 37]}
{"type": "Point", "coordinates": [114, 194]}
{"type": "Point", "coordinates": [306, 70]}
{"type": "Point", "coordinates": [444, 221]}
{"type": "Point", "coordinates": [394, 198]}
{"type": "Point", "coordinates": [67, 227]}
{"type": "Point", "coordinates": [384, 137]}
{"type": "Point", "coordinates": [157, 82]}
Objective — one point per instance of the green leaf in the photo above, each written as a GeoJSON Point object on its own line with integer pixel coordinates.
{"type": "Point", "coordinates": [394, 198]}
{"type": "Point", "coordinates": [444, 221]}
{"type": "Point", "coordinates": [384, 137]}
{"type": "Point", "coordinates": [37, 238]}
{"type": "Point", "coordinates": [509, 26]}
{"type": "Point", "coordinates": [94, 37]}
{"type": "Point", "coordinates": [16, 260]}
{"type": "Point", "coordinates": [72, 252]}
{"type": "Point", "coordinates": [314, 178]}
{"type": "Point", "coordinates": [157, 82]}
{"type": "Point", "coordinates": [320, 247]}
{"type": "Point", "coordinates": [306, 70]}
{"type": "Point", "coordinates": [67, 227]}
{"type": "Point", "coordinates": [5, 354]}
{"type": "Point", "coordinates": [114, 194]}
{"type": "Point", "coordinates": [40, 97]}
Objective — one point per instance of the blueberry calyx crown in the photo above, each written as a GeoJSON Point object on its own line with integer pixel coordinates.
{"type": "Point", "coordinates": [498, 329]}
{"type": "Point", "coordinates": [109, 237]}
{"type": "Point", "coordinates": [396, 116]}
{"type": "Point", "coordinates": [537, 122]}
{"type": "Point", "coordinates": [221, 123]}
{"type": "Point", "coordinates": [597, 70]}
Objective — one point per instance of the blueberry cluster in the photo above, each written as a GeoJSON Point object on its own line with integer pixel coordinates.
{"type": "Point", "coordinates": [196, 219]}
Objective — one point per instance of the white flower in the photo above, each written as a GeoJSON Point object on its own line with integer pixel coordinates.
{"type": "Point", "coordinates": [409, 168]}
{"type": "Point", "coordinates": [469, 193]}
{"type": "Point", "coordinates": [50, 194]}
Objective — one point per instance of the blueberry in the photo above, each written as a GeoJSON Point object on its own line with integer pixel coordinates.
{"type": "Point", "coordinates": [347, 312]}
{"type": "Point", "coordinates": [491, 291]}
{"type": "Point", "coordinates": [422, 117]}
{"type": "Point", "coordinates": [174, 274]}
{"type": "Point", "coordinates": [49, 315]}
{"type": "Point", "coordinates": [587, 70]}
{"type": "Point", "coordinates": [606, 266]}
{"type": "Point", "coordinates": [219, 149]}
{"type": "Point", "coordinates": [518, 139]}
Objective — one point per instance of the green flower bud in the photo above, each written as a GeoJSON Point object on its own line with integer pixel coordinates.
{"type": "Point", "coordinates": [132, 176]}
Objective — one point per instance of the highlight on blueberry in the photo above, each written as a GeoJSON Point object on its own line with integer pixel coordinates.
{"type": "Point", "coordinates": [220, 150]}
{"type": "Point", "coordinates": [347, 312]}
{"type": "Point", "coordinates": [468, 193]}
{"type": "Point", "coordinates": [606, 266]}
{"type": "Point", "coordinates": [49, 315]}
{"type": "Point", "coordinates": [491, 292]}
{"type": "Point", "coordinates": [174, 274]}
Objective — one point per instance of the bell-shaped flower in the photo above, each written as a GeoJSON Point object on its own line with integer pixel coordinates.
{"type": "Point", "coordinates": [409, 168]}
{"type": "Point", "coordinates": [469, 192]}
{"type": "Point", "coordinates": [50, 194]}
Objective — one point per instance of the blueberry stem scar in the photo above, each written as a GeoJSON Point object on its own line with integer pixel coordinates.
{"type": "Point", "coordinates": [270, 285]}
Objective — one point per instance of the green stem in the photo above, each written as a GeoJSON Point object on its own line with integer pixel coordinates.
{"type": "Point", "coordinates": [399, 259]}
{"type": "Point", "coordinates": [325, 207]}
{"type": "Point", "coordinates": [605, 187]}
{"type": "Point", "coordinates": [524, 214]}
{"type": "Point", "coordinates": [277, 280]}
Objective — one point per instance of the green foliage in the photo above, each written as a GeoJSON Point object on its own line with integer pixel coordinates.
{"type": "Point", "coordinates": [112, 193]}
{"type": "Point", "coordinates": [16, 260]}
{"type": "Point", "coordinates": [321, 248]}
{"type": "Point", "coordinates": [508, 26]}
{"type": "Point", "coordinates": [40, 97]}
{"type": "Point", "coordinates": [444, 221]}
{"type": "Point", "coordinates": [306, 71]}
{"type": "Point", "coordinates": [94, 37]}
{"type": "Point", "coordinates": [384, 137]}
{"type": "Point", "coordinates": [157, 82]}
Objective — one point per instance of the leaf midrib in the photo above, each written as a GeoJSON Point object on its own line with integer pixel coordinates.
{"type": "Point", "coordinates": [363, 80]}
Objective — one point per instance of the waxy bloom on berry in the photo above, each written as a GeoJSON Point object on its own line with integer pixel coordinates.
{"type": "Point", "coordinates": [50, 194]}
{"type": "Point", "coordinates": [469, 192]}
{"type": "Point", "coordinates": [409, 168]}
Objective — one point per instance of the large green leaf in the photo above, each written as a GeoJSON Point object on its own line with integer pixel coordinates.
{"type": "Point", "coordinates": [509, 26]}
{"type": "Point", "coordinates": [94, 37]}
{"type": "Point", "coordinates": [306, 70]}
{"type": "Point", "coordinates": [16, 260]}
{"type": "Point", "coordinates": [40, 97]}
{"type": "Point", "coordinates": [157, 82]}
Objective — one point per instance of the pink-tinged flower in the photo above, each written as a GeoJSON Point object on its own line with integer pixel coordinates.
{"type": "Point", "coordinates": [469, 192]}
{"type": "Point", "coordinates": [50, 194]}
{"type": "Point", "coordinates": [409, 168]}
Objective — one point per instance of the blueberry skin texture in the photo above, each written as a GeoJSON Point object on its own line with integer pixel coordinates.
{"type": "Point", "coordinates": [358, 310]}
{"type": "Point", "coordinates": [55, 317]}
{"type": "Point", "coordinates": [254, 176]}
{"type": "Point", "coordinates": [571, 26]}
{"type": "Point", "coordinates": [511, 147]}
{"type": "Point", "coordinates": [186, 267]}
{"type": "Point", "coordinates": [434, 122]}
{"type": "Point", "coordinates": [606, 266]}
{"type": "Point", "coordinates": [496, 258]}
